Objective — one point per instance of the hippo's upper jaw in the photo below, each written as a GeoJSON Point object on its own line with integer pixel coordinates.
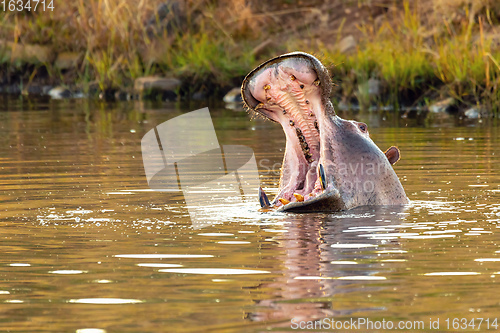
{"type": "Point", "coordinates": [330, 164]}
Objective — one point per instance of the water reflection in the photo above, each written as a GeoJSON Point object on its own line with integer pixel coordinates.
{"type": "Point", "coordinates": [213, 271]}
{"type": "Point", "coordinates": [68, 271]}
{"type": "Point", "coordinates": [322, 259]}
{"type": "Point", "coordinates": [80, 224]}
{"type": "Point", "coordinates": [104, 301]}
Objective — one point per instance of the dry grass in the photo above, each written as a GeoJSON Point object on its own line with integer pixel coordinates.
{"type": "Point", "coordinates": [422, 51]}
{"type": "Point", "coordinates": [121, 40]}
{"type": "Point", "coordinates": [417, 49]}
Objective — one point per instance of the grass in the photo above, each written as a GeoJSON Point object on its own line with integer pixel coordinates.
{"type": "Point", "coordinates": [458, 61]}
{"type": "Point", "coordinates": [469, 69]}
{"type": "Point", "coordinates": [123, 40]}
{"type": "Point", "coordinates": [419, 51]}
{"type": "Point", "coordinates": [200, 58]}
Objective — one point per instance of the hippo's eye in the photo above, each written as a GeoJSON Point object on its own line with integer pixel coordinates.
{"type": "Point", "coordinates": [362, 127]}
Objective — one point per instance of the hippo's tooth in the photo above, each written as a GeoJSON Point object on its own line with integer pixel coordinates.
{"type": "Point", "coordinates": [322, 177]}
{"type": "Point", "coordinates": [284, 201]}
{"type": "Point", "coordinates": [299, 197]}
{"type": "Point", "coordinates": [264, 201]}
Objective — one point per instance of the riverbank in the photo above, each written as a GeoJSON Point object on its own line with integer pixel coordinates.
{"type": "Point", "coordinates": [381, 53]}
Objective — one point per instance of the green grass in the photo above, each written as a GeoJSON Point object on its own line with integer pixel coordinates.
{"type": "Point", "coordinates": [408, 59]}
{"type": "Point", "coordinates": [468, 69]}
{"type": "Point", "coordinates": [394, 54]}
{"type": "Point", "coordinates": [199, 57]}
{"type": "Point", "coordinates": [113, 37]}
{"type": "Point", "coordinates": [418, 53]}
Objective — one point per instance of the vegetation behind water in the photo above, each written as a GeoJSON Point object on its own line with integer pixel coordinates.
{"type": "Point", "coordinates": [418, 51]}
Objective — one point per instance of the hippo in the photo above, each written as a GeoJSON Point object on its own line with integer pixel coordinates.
{"type": "Point", "coordinates": [330, 164]}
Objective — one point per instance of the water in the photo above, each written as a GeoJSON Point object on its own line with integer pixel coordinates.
{"type": "Point", "coordinates": [87, 247]}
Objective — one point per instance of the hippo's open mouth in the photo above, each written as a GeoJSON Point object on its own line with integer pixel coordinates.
{"type": "Point", "coordinates": [289, 90]}
{"type": "Point", "coordinates": [293, 90]}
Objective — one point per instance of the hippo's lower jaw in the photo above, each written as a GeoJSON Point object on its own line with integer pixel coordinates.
{"type": "Point", "coordinates": [330, 164]}
{"type": "Point", "coordinates": [327, 201]}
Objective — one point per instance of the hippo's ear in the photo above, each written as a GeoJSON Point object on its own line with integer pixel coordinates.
{"type": "Point", "coordinates": [392, 155]}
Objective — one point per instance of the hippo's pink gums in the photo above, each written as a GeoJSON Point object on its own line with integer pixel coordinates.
{"type": "Point", "coordinates": [330, 164]}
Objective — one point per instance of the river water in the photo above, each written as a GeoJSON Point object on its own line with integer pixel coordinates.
{"type": "Point", "coordinates": [87, 246]}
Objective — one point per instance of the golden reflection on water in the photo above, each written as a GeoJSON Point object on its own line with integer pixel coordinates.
{"type": "Point", "coordinates": [86, 245]}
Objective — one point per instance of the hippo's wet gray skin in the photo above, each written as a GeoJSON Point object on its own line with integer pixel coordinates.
{"type": "Point", "coordinates": [330, 164]}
